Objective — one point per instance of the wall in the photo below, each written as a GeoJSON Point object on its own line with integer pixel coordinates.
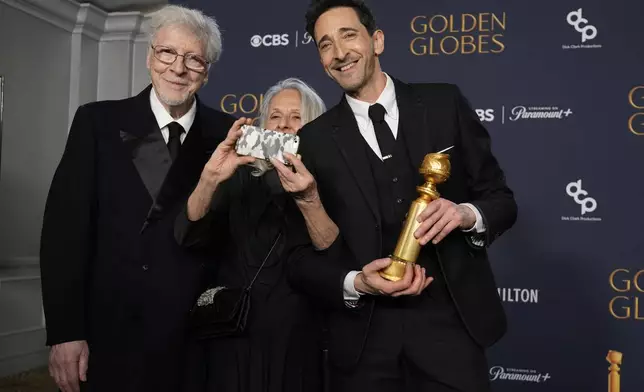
{"type": "Point", "coordinates": [562, 104]}
{"type": "Point", "coordinates": [55, 56]}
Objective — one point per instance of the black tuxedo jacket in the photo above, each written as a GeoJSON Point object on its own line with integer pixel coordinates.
{"type": "Point", "coordinates": [433, 117]}
{"type": "Point", "coordinates": [112, 273]}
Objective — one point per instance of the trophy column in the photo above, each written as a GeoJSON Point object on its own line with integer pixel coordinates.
{"type": "Point", "coordinates": [435, 169]}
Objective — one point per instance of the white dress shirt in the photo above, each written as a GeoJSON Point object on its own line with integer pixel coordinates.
{"type": "Point", "coordinates": [164, 118]}
{"type": "Point", "coordinates": [361, 112]}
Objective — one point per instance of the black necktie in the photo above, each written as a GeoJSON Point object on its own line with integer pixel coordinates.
{"type": "Point", "coordinates": [385, 136]}
{"type": "Point", "coordinates": [174, 141]}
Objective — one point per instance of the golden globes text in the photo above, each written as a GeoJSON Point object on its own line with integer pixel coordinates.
{"type": "Point", "coordinates": [628, 285]}
{"type": "Point", "coordinates": [242, 105]}
{"type": "Point", "coordinates": [435, 35]}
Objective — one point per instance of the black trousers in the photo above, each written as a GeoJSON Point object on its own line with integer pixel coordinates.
{"type": "Point", "coordinates": [416, 344]}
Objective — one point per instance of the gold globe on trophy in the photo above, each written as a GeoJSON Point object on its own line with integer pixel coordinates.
{"type": "Point", "coordinates": [435, 169]}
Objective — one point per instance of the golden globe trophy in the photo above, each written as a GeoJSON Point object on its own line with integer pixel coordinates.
{"type": "Point", "coordinates": [435, 169]}
{"type": "Point", "coordinates": [615, 360]}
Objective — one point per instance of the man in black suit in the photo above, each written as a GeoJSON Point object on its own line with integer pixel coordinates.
{"type": "Point", "coordinates": [117, 288]}
{"type": "Point", "coordinates": [429, 330]}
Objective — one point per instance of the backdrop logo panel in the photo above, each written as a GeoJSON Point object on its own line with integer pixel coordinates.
{"type": "Point", "coordinates": [276, 40]}
{"type": "Point", "coordinates": [461, 34]}
{"type": "Point", "coordinates": [636, 100]}
{"type": "Point", "coordinates": [522, 113]}
{"type": "Point", "coordinates": [486, 115]}
{"type": "Point", "coordinates": [587, 32]}
{"type": "Point", "coordinates": [586, 204]}
{"type": "Point", "coordinates": [628, 285]}
{"type": "Point", "coordinates": [540, 103]}
{"type": "Point", "coordinates": [538, 112]}
{"type": "Point", "coordinates": [500, 373]}
{"type": "Point", "coordinates": [519, 295]}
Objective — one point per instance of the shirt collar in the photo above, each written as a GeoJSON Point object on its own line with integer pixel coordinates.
{"type": "Point", "coordinates": [164, 118]}
{"type": "Point", "coordinates": [387, 99]}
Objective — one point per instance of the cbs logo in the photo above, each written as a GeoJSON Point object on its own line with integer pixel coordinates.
{"type": "Point", "coordinates": [636, 100]}
{"type": "Point", "coordinates": [269, 40]}
{"type": "Point", "coordinates": [485, 115]}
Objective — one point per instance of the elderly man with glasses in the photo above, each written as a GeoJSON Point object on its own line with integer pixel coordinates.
{"type": "Point", "coordinates": [116, 286]}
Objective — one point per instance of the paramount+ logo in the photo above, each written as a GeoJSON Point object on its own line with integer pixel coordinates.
{"type": "Point", "coordinates": [459, 34]}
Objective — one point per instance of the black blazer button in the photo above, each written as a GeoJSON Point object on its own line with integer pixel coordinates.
{"type": "Point", "coordinates": [145, 267]}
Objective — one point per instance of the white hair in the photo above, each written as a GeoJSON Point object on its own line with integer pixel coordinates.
{"type": "Point", "coordinates": [311, 106]}
{"type": "Point", "coordinates": [204, 27]}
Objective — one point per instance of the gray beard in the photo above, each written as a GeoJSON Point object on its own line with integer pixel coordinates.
{"type": "Point", "coordinates": [172, 102]}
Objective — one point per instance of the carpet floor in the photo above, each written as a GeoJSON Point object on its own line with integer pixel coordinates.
{"type": "Point", "coordinates": [37, 380]}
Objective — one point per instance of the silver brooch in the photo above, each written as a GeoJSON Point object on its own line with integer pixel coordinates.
{"type": "Point", "coordinates": [207, 296]}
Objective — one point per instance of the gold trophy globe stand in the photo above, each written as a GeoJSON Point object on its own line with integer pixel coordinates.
{"type": "Point", "coordinates": [615, 360]}
{"type": "Point", "coordinates": [435, 169]}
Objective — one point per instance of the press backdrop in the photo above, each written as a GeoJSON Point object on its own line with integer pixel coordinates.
{"type": "Point", "coordinates": [560, 87]}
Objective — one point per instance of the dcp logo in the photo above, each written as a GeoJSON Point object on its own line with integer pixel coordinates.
{"type": "Point", "coordinates": [636, 100]}
{"type": "Point", "coordinates": [580, 24]}
{"type": "Point", "coordinates": [269, 40]}
{"type": "Point", "coordinates": [588, 204]}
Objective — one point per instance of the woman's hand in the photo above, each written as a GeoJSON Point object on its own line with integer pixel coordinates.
{"type": "Point", "coordinates": [299, 182]}
{"type": "Point", "coordinates": [224, 160]}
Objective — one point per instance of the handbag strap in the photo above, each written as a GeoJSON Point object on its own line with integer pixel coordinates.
{"type": "Point", "coordinates": [264, 262]}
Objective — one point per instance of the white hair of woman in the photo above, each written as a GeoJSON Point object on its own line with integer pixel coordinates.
{"type": "Point", "coordinates": [311, 106]}
{"type": "Point", "coordinates": [204, 27]}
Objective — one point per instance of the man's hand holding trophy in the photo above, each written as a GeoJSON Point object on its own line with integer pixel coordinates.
{"type": "Point", "coordinates": [430, 218]}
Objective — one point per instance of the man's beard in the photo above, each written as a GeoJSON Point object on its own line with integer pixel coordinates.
{"type": "Point", "coordinates": [173, 102]}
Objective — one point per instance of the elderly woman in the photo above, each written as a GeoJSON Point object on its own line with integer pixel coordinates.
{"type": "Point", "coordinates": [245, 210]}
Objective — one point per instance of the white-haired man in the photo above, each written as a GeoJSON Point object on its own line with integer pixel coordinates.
{"type": "Point", "coordinates": [116, 286]}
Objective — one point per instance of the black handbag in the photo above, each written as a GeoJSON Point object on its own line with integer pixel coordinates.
{"type": "Point", "coordinates": [223, 311]}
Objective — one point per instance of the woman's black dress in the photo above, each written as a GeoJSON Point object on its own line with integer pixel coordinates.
{"type": "Point", "coordinates": [280, 351]}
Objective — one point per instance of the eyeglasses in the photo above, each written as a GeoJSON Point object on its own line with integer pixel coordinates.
{"type": "Point", "coordinates": [168, 56]}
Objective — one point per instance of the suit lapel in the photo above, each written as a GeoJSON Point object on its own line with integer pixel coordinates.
{"type": "Point", "coordinates": [145, 143]}
{"type": "Point", "coordinates": [353, 149]}
{"type": "Point", "coordinates": [165, 181]}
{"type": "Point", "coordinates": [186, 170]}
{"type": "Point", "coordinates": [413, 123]}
